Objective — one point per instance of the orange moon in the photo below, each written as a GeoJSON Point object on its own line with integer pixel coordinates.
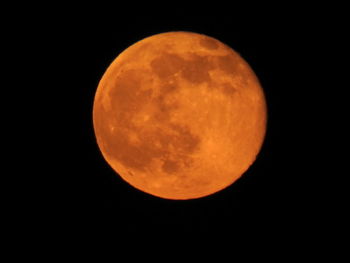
{"type": "Point", "coordinates": [179, 115]}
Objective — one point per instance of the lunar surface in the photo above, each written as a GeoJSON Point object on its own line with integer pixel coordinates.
{"type": "Point", "coordinates": [179, 115]}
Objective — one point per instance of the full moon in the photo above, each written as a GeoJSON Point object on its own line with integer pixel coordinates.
{"type": "Point", "coordinates": [179, 115]}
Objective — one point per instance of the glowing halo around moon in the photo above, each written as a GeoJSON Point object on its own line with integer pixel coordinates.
{"type": "Point", "coordinates": [179, 115]}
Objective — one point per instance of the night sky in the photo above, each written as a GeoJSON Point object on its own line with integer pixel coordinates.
{"type": "Point", "coordinates": [80, 192]}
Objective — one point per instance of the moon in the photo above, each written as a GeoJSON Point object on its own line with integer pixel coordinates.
{"type": "Point", "coordinates": [179, 115]}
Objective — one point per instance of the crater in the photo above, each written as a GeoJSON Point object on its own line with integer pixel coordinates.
{"type": "Point", "coordinates": [170, 142]}
{"type": "Point", "coordinates": [131, 155]}
{"type": "Point", "coordinates": [170, 166]}
{"type": "Point", "coordinates": [183, 140]}
{"type": "Point", "coordinates": [194, 69]}
{"type": "Point", "coordinates": [168, 88]}
{"type": "Point", "coordinates": [197, 69]}
{"type": "Point", "coordinates": [127, 95]}
{"type": "Point", "coordinates": [229, 63]}
{"type": "Point", "coordinates": [209, 43]}
{"type": "Point", "coordinates": [136, 148]}
{"type": "Point", "coordinates": [167, 65]}
{"type": "Point", "coordinates": [228, 89]}
{"type": "Point", "coordinates": [164, 103]}
{"type": "Point", "coordinates": [177, 145]}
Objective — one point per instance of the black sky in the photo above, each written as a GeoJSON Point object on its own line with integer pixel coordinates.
{"type": "Point", "coordinates": [79, 191]}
